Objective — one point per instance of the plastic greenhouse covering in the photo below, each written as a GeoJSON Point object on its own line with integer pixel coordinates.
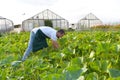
{"type": "Point", "coordinates": [88, 21]}
{"type": "Point", "coordinates": [39, 20]}
{"type": "Point", "coordinates": [5, 25]}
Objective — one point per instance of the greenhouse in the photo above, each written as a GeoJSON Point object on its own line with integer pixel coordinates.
{"type": "Point", "coordinates": [88, 21]}
{"type": "Point", "coordinates": [5, 25]}
{"type": "Point", "coordinates": [45, 18]}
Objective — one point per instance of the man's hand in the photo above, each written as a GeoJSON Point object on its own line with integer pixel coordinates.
{"type": "Point", "coordinates": [55, 44]}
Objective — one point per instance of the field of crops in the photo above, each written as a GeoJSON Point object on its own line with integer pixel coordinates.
{"type": "Point", "coordinates": [88, 55]}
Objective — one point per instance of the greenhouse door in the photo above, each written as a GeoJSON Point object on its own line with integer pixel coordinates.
{"type": "Point", "coordinates": [30, 26]}
{"type": "Point", "coordinates": [41, 23]}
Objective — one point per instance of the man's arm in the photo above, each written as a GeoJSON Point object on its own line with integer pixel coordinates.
{"type": "Point", "coordinates": [55, 44]}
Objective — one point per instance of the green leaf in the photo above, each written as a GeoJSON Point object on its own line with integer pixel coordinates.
{"type": "Point", "coordinates": [114, 72]}
{"type": "Point", "coordinates": [92, 76]}
{"type": "Point", "coordinates": [95, 65]}
{"type": "Point", "coordinates": [91, 54]}
{"type": "Point", "coordinates": [104, 65]}
{"type": "Point", "coordinates": [54, 77]}
{"type": "Point", "coordinates": [73, 73]}
{"type": "Point", "coordinates": [77, 61]}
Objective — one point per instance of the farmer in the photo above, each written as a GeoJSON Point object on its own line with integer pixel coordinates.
{"type": "Point", "coordinates": [38, 39]}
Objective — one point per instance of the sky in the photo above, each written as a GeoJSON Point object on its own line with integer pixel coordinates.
{"type": "Point", "coordinates": [108, 11]}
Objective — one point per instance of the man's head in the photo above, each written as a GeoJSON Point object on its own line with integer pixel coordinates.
{"type": "Point", "coordinates": [60, 33]}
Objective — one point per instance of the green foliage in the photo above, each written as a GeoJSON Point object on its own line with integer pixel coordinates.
{"type": "Point", "coordinates": [106, 27]}
{"type": "Point", "coordinates": [17, 26]}
{"type": "Point", "coordinates": [48, 23]}
{"type": "Point", "coordinates": [82, 56]}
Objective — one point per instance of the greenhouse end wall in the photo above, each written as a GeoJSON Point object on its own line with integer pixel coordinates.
{"type": "Point", "coordinates": [40, 18]}
{"type": "Point", "coordinates": [6, 25]}
{"type": "Point", "coordinates": [88, 21]}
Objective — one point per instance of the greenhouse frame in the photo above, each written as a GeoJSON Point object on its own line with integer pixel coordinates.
{"type": "Point", "coordinates": [6, 25]}
{"type": "Point", "coordinates": [88, 21]}
{"type": "Point", "coordinates": [53, 19]}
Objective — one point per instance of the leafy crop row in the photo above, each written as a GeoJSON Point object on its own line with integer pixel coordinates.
{"type": "Point", "coordinates": [81, 56]}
